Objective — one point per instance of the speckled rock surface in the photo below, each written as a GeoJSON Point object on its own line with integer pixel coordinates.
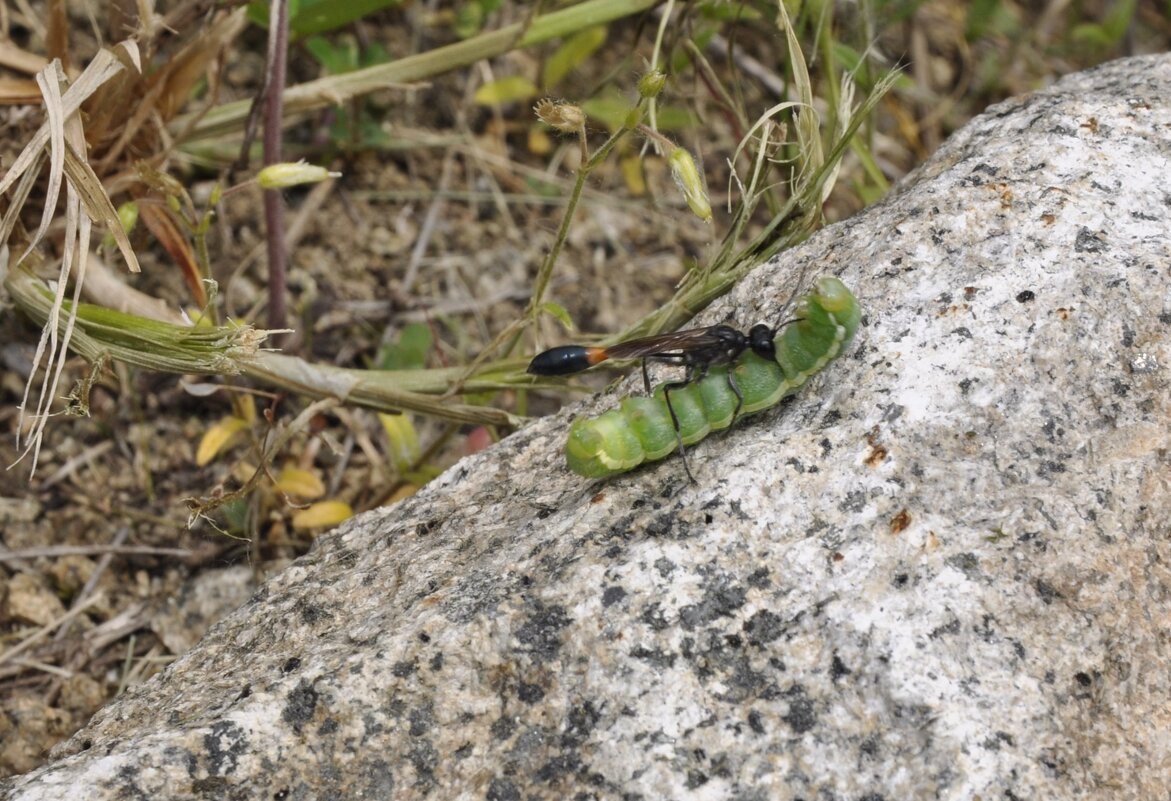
{"type": "Point", "coordinates": [941, 571]}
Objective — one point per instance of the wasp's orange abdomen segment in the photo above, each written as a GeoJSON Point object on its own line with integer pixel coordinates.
{"type": "Point", "coordinates": [566, 360]}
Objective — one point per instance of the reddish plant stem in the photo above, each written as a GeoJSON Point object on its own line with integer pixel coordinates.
{"type": "Point", "coordinates": [274, 210]}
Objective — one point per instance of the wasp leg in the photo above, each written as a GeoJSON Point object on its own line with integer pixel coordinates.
{"type": "Point", "coordinates": [687, 379]}
{"type": "Point", "coordinates": [739, 397]}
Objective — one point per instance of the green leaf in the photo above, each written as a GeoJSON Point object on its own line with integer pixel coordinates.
{"type": "Point", "coordinates": [506, 90]}
{"type": "Point", "coordinates": [335, 58]}
{"type": "Point", "coordinates": [730, 12]}
{"type": "Point", "coordinates": [572, 53]}
{"type": "Point", "coordinates": [410, 352]}
{"type": "Point", "coordinates": [308, 17]}
{"type": "Point", "coordinates": [1109, 31]}
{"type": "Point", "coordinates": [610, 109]}
{"type": "Point", "coordinates": [560, 312]}
{"type": "Point", "coordinates": [674, 118]}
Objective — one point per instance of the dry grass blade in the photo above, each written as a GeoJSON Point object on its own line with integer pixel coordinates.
{"type": "Point", "coordinates": [807, 124]}
{"type": "Point", "coordinates": [49, 80]}
{"type": "Point", "coordinates": [86, 200]}
{"type": "Point", "coordinates": [158, 98]}
{"type": "Point", "coordinates": [18, 92]}
{"type": "Point", "coordinates": [20, 60]}
{"type": "Point", "coordinates": [105, 65]}
{"type": "Point", "coordinates": [84, 181]}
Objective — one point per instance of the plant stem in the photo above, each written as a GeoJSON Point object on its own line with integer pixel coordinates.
{"type": "Point", "coordinates": [274, 211]}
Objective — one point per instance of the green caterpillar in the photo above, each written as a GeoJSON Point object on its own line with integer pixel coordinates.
{"type": "Point", "coordinates": [642, 429]}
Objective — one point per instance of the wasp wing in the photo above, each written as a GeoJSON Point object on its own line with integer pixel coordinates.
{"type": "Point", "coordinates": [670, 345]}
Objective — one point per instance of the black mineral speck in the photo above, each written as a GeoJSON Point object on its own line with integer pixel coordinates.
{"type": "Point", "coordinates": [541, 633]}
{"type": "Point", "coordinates": [560, 766]}
{"type": "Point", "coordinates": [502, 790]}
{"type": "Point", "coordinates": [530, 693]}
{"type": "Point", "coordinates": [424, 758]}
{"type": "Point", "coordinates": [502, 728]}
{"type": "Point", "coordinates": [612, 595]}
{"type": "Point", "coordinates": [801, 715]}
{"type": "Point", "coordinates": [422, 718]}
{"type": "Point", "coordinates": [224, 745]}
{"type": "Point", "coordinates": [1088, 242]}
{"type": "Point", "coordinates": [654, 617]}
{"type": "Point", "coordinates": [838, 669]}
{"type": "Point", "coordinates": [755, 722]}
{"type": "Point", "coordinates": [291, 664]}
{"type": "Point", "coordinates": [721, 599]}
{"type": "Point", "coordinates": [1083, 679]}
{"type": "Point", "coordinates": [854, 502]}
{"type": "Point", "coordinates": [311, 613]}
{"type": "Point", "coordinates": [583, 719]}
{"type": "Point", "coordinates": [653, 656]}
{"type": "Point", "coordinates": [967, 563]}
{"type": "Point", "coordinates": [763, 627]}
{"type": "Point", "coordinates": [1047, 591]}
{"type": "Point", "coordinates": [1026, 296]}
{"type": "Point", "coordinates": [404, 668]}
{"type": "Point", "coordinates": [301, 704]}
{"type": "Point", "coordinates": [759, 578]}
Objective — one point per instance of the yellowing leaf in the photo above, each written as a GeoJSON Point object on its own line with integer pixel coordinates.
{"type": "Point", "coordinates": [322, 515]}
{"type": "Point", "coordinates": [403, 439]}
{"type": "Point", "coordinates": [216, 438]}
{"type": "Point", "coordinates": [245, 407]}
{"type": "Point", "coordinates": [539, 142]}
{"type": "Point", "coordinates": [632, 174]}
{"type": "Point", "coordinates": [405, 491]}
{"type": "Point", "coordinates": [506, 90]}
{"type": "Point", "coordinates": [300, 483]}
{"type": "Point", "coordinates": [243, 471]}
